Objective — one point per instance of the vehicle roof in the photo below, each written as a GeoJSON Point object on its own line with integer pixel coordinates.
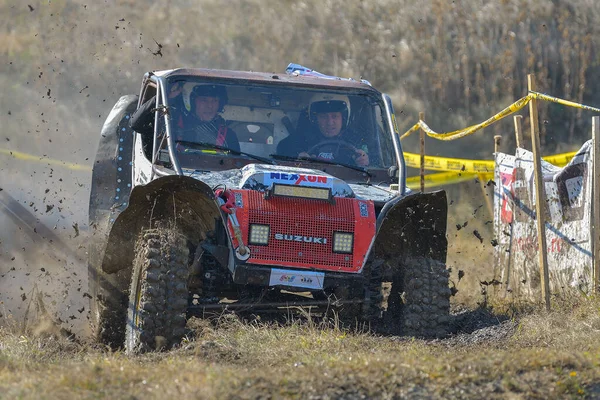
{"type": "Point", "coordinates": [264, 77]}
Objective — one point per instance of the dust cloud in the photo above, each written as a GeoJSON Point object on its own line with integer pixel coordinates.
{"type": "Point", "coordinates": [47, 148]}
{"type": "Point", "coordinates": [43, 220]}
{"type": "Point", "coordinates": [61, 75]}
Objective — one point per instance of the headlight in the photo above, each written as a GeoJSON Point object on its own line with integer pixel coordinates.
{"type": "Point", "coordinates": [343, 242]}
{"type": "Point", "coordinates": [259, 234]}
{"type": "Point", "coordinates": [305, 192]}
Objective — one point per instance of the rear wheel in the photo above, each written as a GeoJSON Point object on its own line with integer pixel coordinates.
{"type": "Point", "coordinates": [419, 300]}
{"type": "Point", "coordinates": [158, 295]}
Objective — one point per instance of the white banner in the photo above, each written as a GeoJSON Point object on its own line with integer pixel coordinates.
{"type": "Point", "coordinates": [568, 222]}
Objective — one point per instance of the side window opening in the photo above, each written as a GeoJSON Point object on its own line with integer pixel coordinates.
{"type": "Point", "coordinates": [148, 136]}
{"type": "Point", "coordinates": [149, 92]}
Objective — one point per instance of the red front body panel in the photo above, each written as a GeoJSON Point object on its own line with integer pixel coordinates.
{"type": "Point", "coordinates": [308, 219]}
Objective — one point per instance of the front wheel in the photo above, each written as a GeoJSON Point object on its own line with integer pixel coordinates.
{"type": "Point", "coordinates": [419, 300]}
{"type": "Point", "coordinates": [158, 295]}
{"type": "Point", "coordinates": [108, 307]}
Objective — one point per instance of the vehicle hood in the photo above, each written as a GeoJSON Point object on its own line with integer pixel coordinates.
{"type": "Point", "coordinates": [262, 177]}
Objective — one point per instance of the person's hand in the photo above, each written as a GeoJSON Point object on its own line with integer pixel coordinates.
{"type": "Point", "coordinates": [361, 158]}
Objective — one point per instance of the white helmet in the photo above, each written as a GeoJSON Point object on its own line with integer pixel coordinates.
{"type": "Point", "coordinates": [329, 102]}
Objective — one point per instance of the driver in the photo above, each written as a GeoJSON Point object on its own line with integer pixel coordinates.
{"type": "Point", "coordinates": [332, 139]}
{"type": "Point", "coordinates": [203, 123]}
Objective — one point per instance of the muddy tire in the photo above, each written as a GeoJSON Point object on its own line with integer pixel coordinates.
{"type": "Point", "coordinates": [371, 307]}
{"type": "Point", "coordinates": [419, 300]}
{"type": "Point", "coordinates": [108, 302]}
{"type": "Point", "coordinates": [109, 310]}
{"type": "Point", "coordinates": [158, 296]}
{"type": "Point", "coordinates": [367, 314]}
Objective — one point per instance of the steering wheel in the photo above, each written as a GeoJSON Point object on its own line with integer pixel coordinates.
{"type": "Point", "coordinates": [334, 149]}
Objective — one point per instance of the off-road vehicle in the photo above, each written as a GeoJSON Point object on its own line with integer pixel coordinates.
{"type": "Point", "coordinates": [184, 225]}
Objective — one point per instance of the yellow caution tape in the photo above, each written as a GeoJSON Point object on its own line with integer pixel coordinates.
{"type": "Point", "coordinates": [560, 160]}
{"type": "Point", "coordinates": [472, 166]}
{"type": "Point", "coordinates": [443, 178]}
{"type": "Point", "coordinates": [453, 177]}
{"type": "Point", "coordinates": [541, 96]}
{"type": "Point", "coordinates": [412, 129]}
{"type": "Point", "coordinates": [516, 106]}
{"type": "Point", "coordinates": [449, 164]}
{"type": "Point", "coordinates": [29, 157]}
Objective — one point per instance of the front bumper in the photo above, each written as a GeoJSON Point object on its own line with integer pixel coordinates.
{"type": "Point", "coordinates": [257, 275]}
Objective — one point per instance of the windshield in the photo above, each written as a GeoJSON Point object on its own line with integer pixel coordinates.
{"type": "Point", "coordinates": [342, 132]}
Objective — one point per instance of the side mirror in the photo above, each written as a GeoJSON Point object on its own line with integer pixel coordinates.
{"type": "Point", "coordinates": [393, 172]}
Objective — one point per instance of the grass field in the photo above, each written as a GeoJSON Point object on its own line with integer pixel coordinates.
{"type": "Point", "coordinates": [509, 353]}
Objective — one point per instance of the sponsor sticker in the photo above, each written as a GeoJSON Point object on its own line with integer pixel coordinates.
{"type": "Point", "coordinates": [238, 200]}
{"type": "Point", "coordinates": [301, 279]}
{"type": "Point", "coordinates": [299, 179]}
{"type": "Point", "coordinates": [364, 210]}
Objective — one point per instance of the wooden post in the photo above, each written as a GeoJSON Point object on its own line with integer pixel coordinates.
{"type": "Point", "coordinates": [519, 131]}
{"type": "Point", "coordinates": [540, 194]}
{"type": "Point", "coordinates": [596, 204]}
{"type": "Point", "coordinates": [422, 149]}
{"type": "Point", "coordinates": [490, 202]}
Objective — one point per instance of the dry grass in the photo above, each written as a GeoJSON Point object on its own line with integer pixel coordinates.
{"type": "Point", "coordinates": [547, 355]}
{"type": "Point", "coordinates": [457, 61]}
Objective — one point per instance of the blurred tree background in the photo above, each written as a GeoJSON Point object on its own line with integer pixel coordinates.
{"type": "Point", "coordinates": [459, 62]}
